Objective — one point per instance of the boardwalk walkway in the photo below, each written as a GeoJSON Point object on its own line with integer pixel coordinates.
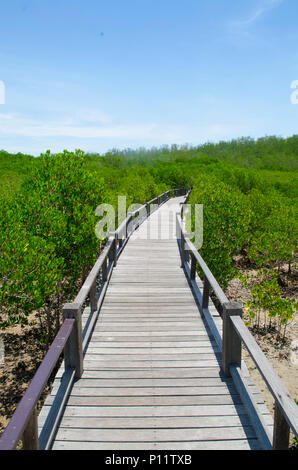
{"type": "Point", "coordinates": [152, 370]}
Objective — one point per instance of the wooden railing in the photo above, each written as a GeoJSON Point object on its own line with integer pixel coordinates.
{"type": "Point", "coordinates": [234, 334]}
{"type": "Point", "coordinates": [70, 340]}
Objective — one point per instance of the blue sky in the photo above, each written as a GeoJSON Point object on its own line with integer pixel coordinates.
{"type": "Point", "coordinates": [102, 74]}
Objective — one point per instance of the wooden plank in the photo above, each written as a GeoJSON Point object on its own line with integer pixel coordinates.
{"type": "Point", "coordinates": [93, 364]}
{"type": "Point", "coordinates": [142, 422]}
{"type": "Point", "coordinates": [152, 357]}
{"type": "Point", "coordinates": [95, 401]}
{"type": "Point", "coordinates": [116, 316]}
{"type": "Point", "coordinates": [235, 444]}
{"type": "Point", "coordinates": [201, 341]}
{"type": "Point", "coordinates": [191, 372]}
{"type": "Point", "coordinates": [80, 390]}
{"type": "Point", "coordinates": [156, 382]}
{"type": "Point", "coordinates": [134, 299]}
{"type": "Point", "coordinates": [159, 435]}
{"type": "Point", "coordinates": [152, 324]}
{"type": "Point", "coordinates": [142, 351]}
{"type": "Point", "coordinates": [142, 327]}
{"type": "Point", "coordinates": [128, 328]}
{"type": "Point", "coordinates": [100, 411]}
{"type": "Point", "coordinates": [150, 335]}
{"type": "Point", "coordinates": [147, 308]}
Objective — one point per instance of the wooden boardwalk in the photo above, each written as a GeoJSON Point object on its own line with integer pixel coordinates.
{"type": "Point", "coordinates": [152, 370]}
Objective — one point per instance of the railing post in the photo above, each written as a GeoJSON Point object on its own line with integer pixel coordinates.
{"type": "Point", "coordinates": [231, 343]}
{"type": "Point", "coordinates": [206, 288]}
{"type": "Point", "coordinates": [281, 430]}
{"type": "Point", "coordinates": [30, 434]}
{"type": "Point", "coordinates": [182, 241]}
{"type": "Point", "coordinates": [120, 241]}
{"type": "Point", "coordinates": [92, 296]}
{"type": "Point", "coordinates": [193, 266]}
{"type": "Point", "coordinates": [138, 219]}
{"type": "Point", "coordinates": [129, 216]}
{"type": "Point", "coordinates": [105, 270]}
{"type": "Point", "coordinates": [113, 251]}
{"type": "Point", "coordinates": [73, 351]}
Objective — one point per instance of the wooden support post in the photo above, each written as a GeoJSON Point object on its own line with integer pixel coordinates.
{"type": "Point", "coordinates": [73, 351]}
{"type": "Point", "coordinates": [281, 430]}
{"type": "Point", "coordinates": [206, 288]}
{"type": "Point", "coordinates": [113, 250]}
{"type": "Point", "coordinates": [231, 343]}
{"type": "Point", "coordinates": [137, 219]}
{"type": "Point", "coordinates": [30, 434]}
{"type": "Point", "coordinates": [182, 241]}
{"type": "Point", "coordinates": [193, 267]}
{"type": "Point", "coordinates": [129, 215]}
{"type": "Point", "coordinates": [105, 270]}
{"type": "Point", "coordinates": [93, 296]}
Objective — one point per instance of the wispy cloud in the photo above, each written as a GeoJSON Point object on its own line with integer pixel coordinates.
{"type": "Point", "coordinates": [262, 7]}
{"type": "Point", "coordinates": [19, 127]}
{"type": "Point", "coordinates": [88, 127]}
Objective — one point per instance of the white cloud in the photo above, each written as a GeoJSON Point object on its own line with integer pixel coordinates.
{"type": "Point", "coordinates": [260, 10]}
{"type": "Point", "coordinates": [15, 125]}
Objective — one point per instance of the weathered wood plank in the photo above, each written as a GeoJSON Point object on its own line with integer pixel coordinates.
{"type": "Point", "coordinates": [100, 411]}
{"type": "Point", "coordinates": [201, 341]}
{"type": "Point", "coordinates": [95, 401]}
{"type": "Point", "coordinates": [156, 435]}
{"type": "Point", "coordinates": [150, 335]}
{"type": "Point", "coordinates": [113, 358]}
{"type": "Point", "coordinates": [127, 328]}
{"type": "Point", "coordinates": [80, 390]}
{"type": "Point", "coordinates": [142, 422]}
{"type": "Point", "coordinates": [236, 444]}
{"type": "Point", "coordinates": [169, 372]}
{"type": "Point", "coordinates": [95, 365]}
{"type": "Point", "coordinates": [145, 351]}
{"type": "Point", "coordinates": [151, 382]}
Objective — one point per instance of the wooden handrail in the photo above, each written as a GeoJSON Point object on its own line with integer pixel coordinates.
{"type": "Point", "coordinates": [69, 338]}
{"type": "Point", "coordinates": [283, 401]}
{"type": "Point", "coordinates": [21, 421]}
{"type": "Point", "coordinates": [234, 334]}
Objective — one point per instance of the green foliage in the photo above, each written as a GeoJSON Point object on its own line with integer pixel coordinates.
{"type": "Point", "coordinates": [47, 234]}
{"type": "Point", "coordinates": [57, 203]}
{"type": "Point", "coordinates": [13, 170]}
{"type": "Point", "coordinates": [29, 271]}
{"type": "Point", "coordinates": [274, 229]}
{"type": "Point", "coordinates": [248, 189]}
{"type": "Point", "coordinates": [226, 222]}
{"type": "Point", "coordinates": [266, 297]}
